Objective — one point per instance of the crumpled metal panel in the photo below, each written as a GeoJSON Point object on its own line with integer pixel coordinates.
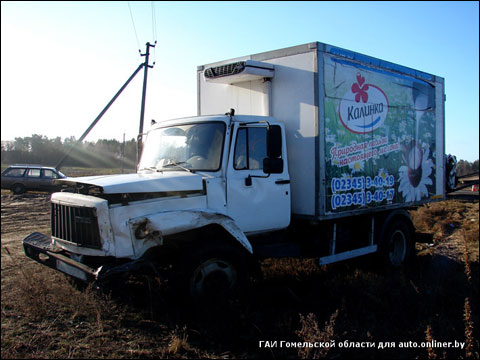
{"type": "Point", "coordinates": [172, 222]}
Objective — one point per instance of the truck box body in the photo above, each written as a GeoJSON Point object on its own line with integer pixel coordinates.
{"type": "Point", "coordinates": [363, 134]}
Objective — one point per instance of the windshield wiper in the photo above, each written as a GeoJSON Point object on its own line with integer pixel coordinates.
{"type": "Point", "coordinates": [174, 163]}
{"type": "Point", "coordinates": [153, 168]}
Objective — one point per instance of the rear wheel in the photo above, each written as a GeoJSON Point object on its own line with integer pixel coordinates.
{"type": "Point", "coordinates": [397, 244]}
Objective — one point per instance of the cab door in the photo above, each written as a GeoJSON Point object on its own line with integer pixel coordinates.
{"type": "Point", "coordinates": [257, 201]}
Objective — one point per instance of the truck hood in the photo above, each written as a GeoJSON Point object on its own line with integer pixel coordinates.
{"type": "Point", "coordinates": [140, 183]}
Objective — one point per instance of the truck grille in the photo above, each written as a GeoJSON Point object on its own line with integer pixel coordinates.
{"type": "Point", "coordinates": [225, 70]}
{"type": "Point", "coordinates": [78, 225]}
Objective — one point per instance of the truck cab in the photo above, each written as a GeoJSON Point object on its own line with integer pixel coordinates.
{"type": "Point", "coordinates": [204, 185]}
{"type": "Point", "coordinates": [241, 163]}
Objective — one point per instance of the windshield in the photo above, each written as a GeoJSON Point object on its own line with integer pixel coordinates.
{"type": "Point", "coordinates": [190, 147]}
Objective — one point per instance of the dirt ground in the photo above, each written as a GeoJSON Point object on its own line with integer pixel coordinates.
{"type": "Point", "coordinates": [25, 213]}
{"type": "Point", "coordinates": [334, 297]}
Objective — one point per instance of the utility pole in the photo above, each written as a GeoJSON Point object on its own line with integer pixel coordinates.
{"type": "Point", "coordinates": [79, 141]}
{"type": "Point", "coordinates": [123, 152]}
{"type": "Point", "coordinates": [142, 113]}
{"type": "Point", "coordinates": [144, 93]}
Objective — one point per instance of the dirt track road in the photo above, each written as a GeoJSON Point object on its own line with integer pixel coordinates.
{"type": "Point", "coordinates": [22, 214]}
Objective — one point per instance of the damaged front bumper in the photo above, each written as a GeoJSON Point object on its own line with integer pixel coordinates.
{"type": "Point", "coordinates": [39, 247]}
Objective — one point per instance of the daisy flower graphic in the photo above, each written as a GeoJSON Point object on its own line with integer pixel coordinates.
{"type": "Point", "coordinates": [357, 166]}
{"type": "Point", "coordinates": [383, 174]}
{"type": "Point", "coordinates": [415, 176]}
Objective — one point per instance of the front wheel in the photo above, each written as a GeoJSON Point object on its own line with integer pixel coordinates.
{"type": "Point", "coordinates": [397, 245]}
{"type": "Point", "coordinates": [213, 277]}
{"type": "Point", "coordinates": [213, 273]}
{"type": "Point", "coordinates": [18, 189]}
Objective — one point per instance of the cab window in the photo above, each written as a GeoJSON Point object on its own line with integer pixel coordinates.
{"type": "Point", "coordinates": [250, 148]}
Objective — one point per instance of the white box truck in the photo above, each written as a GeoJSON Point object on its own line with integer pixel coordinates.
{"type": "Point", "coordinates": [323, 154]}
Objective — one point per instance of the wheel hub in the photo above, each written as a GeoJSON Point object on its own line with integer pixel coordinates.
{"type": "Point", "coordinates": [398, 248]}
{"type": "Point", "coordinates": [213, 277]}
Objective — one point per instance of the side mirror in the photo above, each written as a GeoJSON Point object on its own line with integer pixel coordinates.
{"type": "Point", "coordinates": [272, 166]}
{"type": "Point", "coordinates": [274, 141]}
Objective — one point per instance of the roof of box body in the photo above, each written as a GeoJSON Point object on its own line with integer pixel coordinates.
{"type": "Point", "coordinates": [348, 55]}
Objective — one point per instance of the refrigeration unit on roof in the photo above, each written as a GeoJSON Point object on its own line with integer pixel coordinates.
{"type": "Point", "coordinates": [239, 71]}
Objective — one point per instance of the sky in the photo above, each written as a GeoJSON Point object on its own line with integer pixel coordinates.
{"type": "Point", "coordinates": [62, 62]}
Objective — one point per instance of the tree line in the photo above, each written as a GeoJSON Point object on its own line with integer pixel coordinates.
{"type": "Point", "coordinates": [466, 168]}
{"type": "Point", "coordinates": [39, 149]}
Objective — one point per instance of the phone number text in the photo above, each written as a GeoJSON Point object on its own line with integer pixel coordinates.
{"type": "Point", "coordinates": [361, 183]}
{"type": "Point", "coordinates": [361, 198]}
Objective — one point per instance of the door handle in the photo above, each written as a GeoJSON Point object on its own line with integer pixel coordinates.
{"type": "Point", "coordinates": [282, 182]}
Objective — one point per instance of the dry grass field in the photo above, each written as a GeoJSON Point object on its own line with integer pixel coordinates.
{"type": "Point", "coordinates": [435, 299]}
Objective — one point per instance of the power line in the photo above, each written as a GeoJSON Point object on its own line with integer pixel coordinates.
{"type": "Point", "coordinates": [134, 29]}
{"type": "Point", "coordinates": [154, 31]}
{"type": "Point", "coordinates": [154, 22]}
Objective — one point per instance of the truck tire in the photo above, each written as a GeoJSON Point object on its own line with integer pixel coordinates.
{"type": "Point", "coordinates": [212, 272]}
{"type": "Point", "coordinates": [18, 189]}
{"type": "Point", "coordinates": [397, 245]}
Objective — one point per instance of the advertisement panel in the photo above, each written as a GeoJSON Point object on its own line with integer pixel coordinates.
{"type": "Point", "coordinates": [380, 136]}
